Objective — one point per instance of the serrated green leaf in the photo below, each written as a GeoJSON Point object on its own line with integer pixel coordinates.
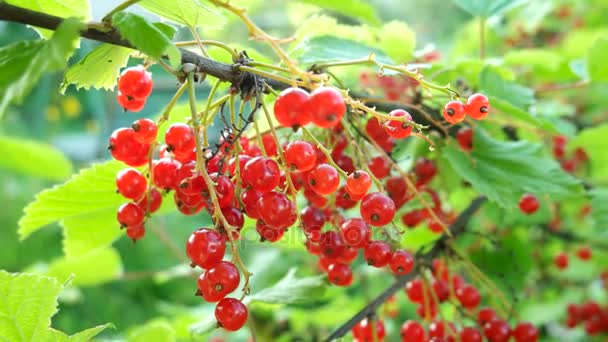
{"type": "Point", "coordinates": [157, 330]}
{"type": "Point", "coordinates": [22, 64]}
{"type": "Point", "coordinates": [189, 13]}
{"type": "Point", "coordinates": [487, 8]}
{"type": "Point", "coordinates": [108, 266]}
{"type": "Point", "coordinates": [146, 37]}
{"type": "Point", "coordinates": [398, 41]}
{"type": "Point", "coordinates": [332, 48]}
{"type": "Point", "coordinates": [353, 8]}
{"type": "Point", "coordinates": [89, 231]}
{"type": "Point", "coordinates": [292, 290]}
{"type": "Point", "coordinates": [593, 140]}
{"type": "Point", "coordinates": [28, 303]}
{"type": "Point", "coordinates": [503, 171]}
{"type": "Point", "coordinates": [599, 208]}
{"type": "Point", "coordinates": [91, 190]}
{"type": "Point", "coordinates": [596, 61]}
{"type": "Point", "coordinates": [34, 158]}
{"type": "Point", "coordinates": [493, 84]}
{"type": "Point", "coordinates": [62, 8]}
{"type": "Point", "coordinates": [106, 60]}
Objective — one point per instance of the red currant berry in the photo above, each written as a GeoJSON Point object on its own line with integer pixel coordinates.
{"type": "Point", "coordinates": [224, 190]}
{"type": "Point", "coordinates": [401, 262]}
{"type": "Point", "coordinates": [324, 179]}
{"type": "Point", "coordinates": [332, 245]}
{"type": "Point", "coordinates": [326, 106]}
{"type": "Point", "coordinates": [220, 280]}
{"type": "Point", "coordinates": [380, 166]}
{"type": "Point", "coordinates": [396, 128]}
{"type": "Point", "coordinates": [468, 296]}
{"type": "Point", "coordinates": [454, 112]}
{"type": "Point", "coordinates": [344, 200]}
{"type": "Point", "coordinates": [377, 209]}
{"type": "Point", "coordinates": [559, 146]}
{"type": "Point", "coordinates": [412, 331]}
{"type": "Point", "coordinates": [291, 108]}
{"type": "Point", "coordinates": [486, 315]}
{"type": "Point", "coordinates": [414, 290]}
{"type": "Point", "coordinates": [205, 248]}
{"type": "Point", "coordinates": [525, 332]}
{"type": "Point", "coordinates": [425, 170]}
{"type": "Point", "coordinates": [130, 215]}
{"type": "Point", "coordinates": [470, 334]}
{"type": "Point", "coordinates": [124, 148]}
{"type": "Point", "coordinates": [152, 203]}
{"type": "Point", "coordinates": [130, 104]}
{"type": "Point", "coordinates": [497, 331]}
{"type": "Point", "coordinates": [345, 162]}
{"type": "Point", "coordinates": [355, 232]}
{"type": "Point", "coordinates": [136, 232]}
{"type": "Point", "coordinates": [300, 155]}
{"type": "Point", "coordinates": [413, 218]}
{"type": "Point", "coordinates": [262, 174]}
{"type": "Point", "coordinates": [363, 331]}
{"type": "Point", "coordinates": [528, 204]}
{"type": "Point", "coordinates": [312, 219]}
{"type": "Point", "coordinates": [268, 233]}
{"type": "Point", "coordinates": [340, 274]}
{"type": "Point", "coordinates": [396, 189]}
{"type": "Point", "coordinates": [377, 253]}
{"type": "Point", "coordinates": [164, 173]}
{"type": "Point", "coordinates": [276, 210]}
{"type": "Point", "coordinates": [270, 145]}
{"type": "Point", "coordinates": [250, 199]}
{"type": "Point", "coordinates": [561, 260]}
{"type": "Point", "coordinates": [478, 106]}
{"type": "Point", "coordinates": [358, 183]}
{"type": "Point", "coordinates": [131, 184]}
{"type": "Point", "coordinates": [180, 138]}
{"type": "Point", "coordinates": [584, 253]}
{"type": "Point", "coordinates": [436, 329]}
{"type": "Point", "coordinates": [348, 255]}
{"type": "Point", "coordinates": [135, 82]}
{"type": "Point", "coordinates": [464, 136]}
{"type": "Point", "coordinates": [145, 131]}
{"type": "Point", "coordinates": [231, 314]}
{"type": "Point", "coordinates": [314, 198]}
{"type": "Point", "coordinates": [235, 219]}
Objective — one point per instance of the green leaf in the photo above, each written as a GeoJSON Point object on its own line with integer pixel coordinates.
{"type": "Point", "coordinates": [507, 108]}
{"type": "Point", "coordinates": [538, 58]}
{"type": "Point", "coordinates": [493, 84]}
{"type": "Point", "coordinates": [108, 266]}
{"type": "Point", "coordinates": [486, 8]}
{"type": "Point", "coordinates": [62, 8]}
{"type": "Point", "coordinates": [91, 190]}
{"type": "Point", "coordinates": [106, 60]}
{"type": "Point", "coordinates": [89, 231]}
{"type": "Point", "coordinates": [28, 303]}
{"type": "Point", "coordinates": [157, 330]}
{"type": "Point", "coordinates": [189, 13]}
{"type": "Point", "coordinates": [292, 290]}
{"type": "Point", "coordinates": [145, 36]}
{"type": "Point", "coordinates": [23, 63]}
{"type": "Point", "coordinates": [593, 140]}
{"type": "Point", "coordinates": [599, 211]}
{"type": "Point", "coordinates": [503, 171]}
{"type": "Point", "coordinates": [353, 8]}
{"type": "Point", "coordinates": [34, 158]}
{"type": "Point", "coordinates": [331, 48]}
{"type": "Point", "coordinates": [596, 60]}
{"type": "Point", "coordinates": [398, 41]}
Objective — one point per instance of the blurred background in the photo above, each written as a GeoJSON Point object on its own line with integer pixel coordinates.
{"type": "Point", "coordinates": [79, 122]}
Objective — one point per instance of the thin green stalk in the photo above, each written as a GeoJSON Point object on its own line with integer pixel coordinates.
{"type": "Point", "coordinates": [216, 85]}
{"type": "Point", "coordinates": [124, 5]}
{"type": "Point", "coordinates": [165, 115]}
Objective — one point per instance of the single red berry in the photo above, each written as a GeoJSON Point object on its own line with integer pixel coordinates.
{"type": "Point", "coordinates": [454, 112]}
{"type": "Point", "coordinates": [441, 289]}
{"type": "Point", "coordinates": [324, 179]}
{"type": "Point", "coordinates": [412, 331]}
{"type": "Point", "coordinates": [123, 147]}
{"type": "Point", "coordinates": [377, 209]}
{"type": "Point", "coordinates": [584, 253]}
{"type": "Point", "coordinates": [291, 108]}
{"type": "Point", "coordinates": [276, 210]}
{"type": "Point", "coordinates": [312, 219]}
{"type": "Point", "coordinates": [396, 128]}
{"type": "Point", "coordinates": [268, 233]}
{"type": "Point", "coordinates": [478, 106]}
{"type": "Point", "coordinates": [528, 204]}
{"type": "Point", "coordinates": [130, 104]}
{"type": "Point", "coordinates": [270, 145]}
{"type": "Point", "coordinates": [468, 296]}
{"type": "Point", "coordinates": [164, 173]}
{"type": "Point", "coordinates": [525, 332]}
{"type": "Point", "coordinates": [413, 218]}
{"type": "Point", "coordinates": [396, 189]}
{"type": "Point", "coordinates": [130, 215]}
{"type": "Point", "coordinates": [559, 146]}
{"type": "Point", "coordinates": [224, 190]}
{"type": "Point", "coordinates": [136, 232]}
{"type": "Point", "coordinates": [470, 334]}
{"type": "Point", "coordinates": [348, 255]}
{"type": "Point", "coordinates": [131, 184]}
{"type": "Point", "coordinates": [300, 155]}
{"type": "Point", "coordinates": [145, 131]}
{"type": "Point", "coordinates": [135, 82]}
{"type": "Point", "coordinates": [485, 315]}
{"type": "Point", "coordinates": [497, 331]}
{"type": "Point", "coordinates": [355, 232]}
{"type": "Point", "coordinates": [358, 183]}
{"type": "Point", "coordinates": [326, 106]}
{"type": "Point", "coordinates": [377, 253]}
{"type": "Point", "coordinates": [340, 274]}
{"type": "Point", "coordinates": [363, 330]}
{"type": "Point", "coordinates": [250, 199]}
{"type": "Point", "coordinates": [414, 289]}
{"type": "Point", "coordinates": [464, 136]}
{"type": "Point", "coordinates": [425, 170]}
{"type": "Point", "coordinates": [332, 245]}
{"type": "Point", "coordinates": [344, 200]}
{"type": "Point", "coordinates": [428, 311]}
{"type": "Point", "coordinates": [231, 314]}
{"type": "Point", "coordinates": [401, 262]}
{"type": "Point", "coordinates": [380, 166]}
{"type": "Point", "coordinates": [345, 163]}
{"type": "Point", "coordinates": [314, 198]}
{"type": "Point", "coordinates": [436, 329]}
{"type": "Point", "coordinates": [180, 138]}
{"type": "Point", "coordinates": [151, 203]}
{"type": "Point", "coordinates": [205, 248]}
{"type": "Point", "coordinates": [262, 174]}
{"type": "Point", "coordinates": [561, 260]}
{"type": "Point", "coordinates": [235, 219]}
{"type": "Point", "coordinates": [217, 282]}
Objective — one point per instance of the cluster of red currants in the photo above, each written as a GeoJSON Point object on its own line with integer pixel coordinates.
{"type": "Point", "coordinates": [134, 87]}
{"type": "Point", "coordinates": [561, 260]}
{"type": "Point", "coordinates": [572, 163]}
{"type": "Point", "coordinates": [591, 314]}
{"type": "Point", "coordinates": [395, 88]}
{"type": "Point", "coordinates": [477, 107]}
